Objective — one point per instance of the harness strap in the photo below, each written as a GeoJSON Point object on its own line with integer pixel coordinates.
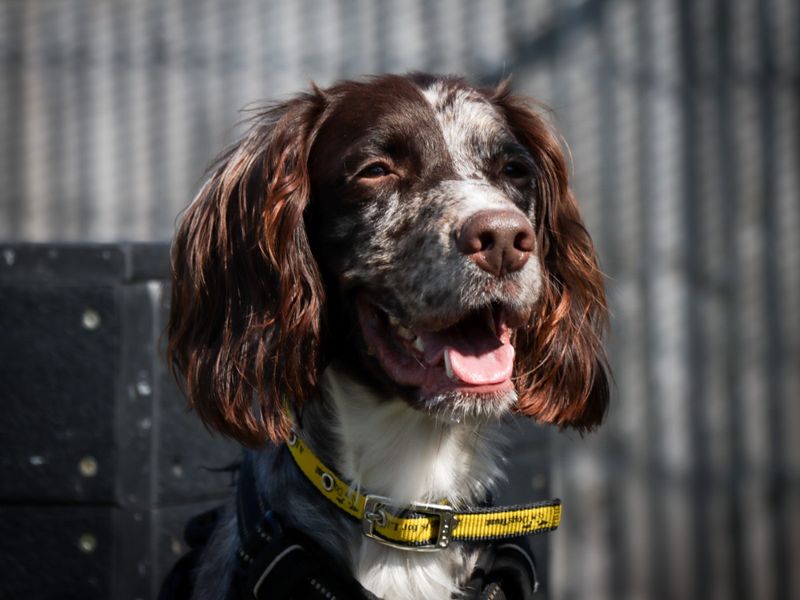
{"type": "Point", "coordinates": [507, 571]}
{"type": "Point", "coordinates": [275, 562]}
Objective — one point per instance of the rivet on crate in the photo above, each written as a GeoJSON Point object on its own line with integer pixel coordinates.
{"type": "Point", "coordinates": [87, 543]}
{"type": "Point", "coordinates": [9, 256]}
{"type": "Point", "coordinates": [176, 546]}
{"type": "Point", "coordinates": [143, 387]}
{"type": "Point", "coordinates": [90, 319]}
{"type": "Point", "coordinates": [88, 466]}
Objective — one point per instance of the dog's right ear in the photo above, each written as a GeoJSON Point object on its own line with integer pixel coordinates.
{"type": "Point", "coordinates": [561, 368]}
{"type": "Point", "coordinates": [244, 325]}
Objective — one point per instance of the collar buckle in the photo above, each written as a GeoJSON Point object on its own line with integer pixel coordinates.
{"type": "Point", "coordinates": [375, 515]}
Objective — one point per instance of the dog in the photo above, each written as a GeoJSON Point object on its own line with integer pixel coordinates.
{"type": "Point", "coordinates": [386, 268]}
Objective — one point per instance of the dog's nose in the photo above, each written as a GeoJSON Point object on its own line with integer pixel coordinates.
{"type": "Point", "coordinates": [499, 241]}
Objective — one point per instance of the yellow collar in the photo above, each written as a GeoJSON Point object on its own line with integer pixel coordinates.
{"type": "Point", "coordinates": [423, 526]}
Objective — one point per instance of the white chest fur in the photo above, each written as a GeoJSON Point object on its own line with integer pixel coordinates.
{"type": "Point", "coordinates": [391, 449]}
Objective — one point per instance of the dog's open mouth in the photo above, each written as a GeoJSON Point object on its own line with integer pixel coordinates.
{"type": "Point", "coordinates": [473, 355]}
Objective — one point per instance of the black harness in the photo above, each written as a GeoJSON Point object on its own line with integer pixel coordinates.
{"type": "Point", "coordinates": [279, 563]}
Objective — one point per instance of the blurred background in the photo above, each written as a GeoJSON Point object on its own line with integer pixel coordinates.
{"type": "Point", "coordinates": [683, 121]}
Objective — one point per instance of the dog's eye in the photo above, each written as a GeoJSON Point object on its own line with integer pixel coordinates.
{"type": "Point", "coordinates": [516, 170]}
{"type": "Point", "coordinates": [375, 170]}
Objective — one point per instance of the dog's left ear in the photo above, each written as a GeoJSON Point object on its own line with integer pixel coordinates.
{"type": "Point", "coordinates": [561, 369]}
{"type": "Point", "coordinates": [245, 316]}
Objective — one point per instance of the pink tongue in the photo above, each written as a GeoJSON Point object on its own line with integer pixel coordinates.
{"type": "Point", "coordinates": [494, 366]}
{"type": "Point", "coordinates": [477, 356]}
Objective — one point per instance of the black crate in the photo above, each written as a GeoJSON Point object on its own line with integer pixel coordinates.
{"type": "Point", "coordinates": [102, 464]}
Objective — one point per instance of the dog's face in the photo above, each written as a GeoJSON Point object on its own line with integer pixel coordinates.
{"type": "Point", "coordinates": [422, 216]}
{"type": "Point", "coordinates": [416, 226]}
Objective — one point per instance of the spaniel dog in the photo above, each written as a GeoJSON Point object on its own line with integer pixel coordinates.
{"type": "Point", "coordinates": [386, 269]}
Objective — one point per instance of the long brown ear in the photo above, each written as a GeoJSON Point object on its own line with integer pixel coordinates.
{"type": "Point", "coordinates": [561, 369]}
{"type": "Point", "coordinates": [244, 322]}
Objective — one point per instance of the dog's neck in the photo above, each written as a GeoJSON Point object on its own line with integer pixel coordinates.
{"type": "Point", "coordinates": [386, 447]}
{"type": "Point", "coordinates": [381, 445]}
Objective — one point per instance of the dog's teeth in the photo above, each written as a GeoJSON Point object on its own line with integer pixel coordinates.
{"type": "Point", "coordinates": [419, 345]}
{"type": "Point", "coordinates": [404, 332]}
{"type": "Point", "coordinates": [448, 368]}
{"type": "Point", "coordinates": [394, 321]}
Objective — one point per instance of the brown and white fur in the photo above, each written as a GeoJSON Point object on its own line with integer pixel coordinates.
{"type": "Point", "coordinates": [398, 263]}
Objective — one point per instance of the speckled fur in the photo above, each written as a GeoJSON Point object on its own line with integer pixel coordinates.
{"type": "Point", "coordinates": [402, 247]}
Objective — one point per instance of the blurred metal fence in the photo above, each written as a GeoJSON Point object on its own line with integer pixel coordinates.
{"type": "Point", "coordinates": [684, 124]}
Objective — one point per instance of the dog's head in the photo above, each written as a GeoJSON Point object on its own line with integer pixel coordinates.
{"type": "Point", "coordinates": [416, 229]}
